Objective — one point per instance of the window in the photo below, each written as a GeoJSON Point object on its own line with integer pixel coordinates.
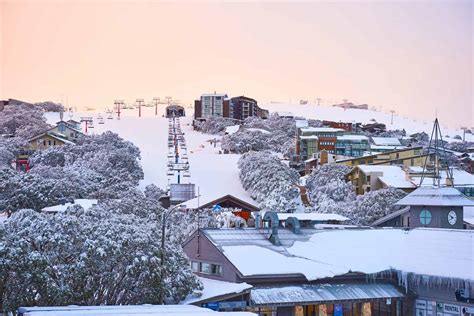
{"type": "Point", "coordinates": [206, 267]}
{"type": "Point", "coordinates": [425, 217]}
{"type": "Point", "coordinates": [61, 128]}
{"type": "Point", "coordinates": [49, 142]}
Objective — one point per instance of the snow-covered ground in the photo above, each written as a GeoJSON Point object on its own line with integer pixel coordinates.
{"type": "Point", "coordinates": [364, 116]}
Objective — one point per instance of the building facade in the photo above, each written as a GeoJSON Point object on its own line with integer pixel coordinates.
{"type": "Point", "coordinates": [352, 145]}
{"type": "Point", "coordinates": [411, 156]}
{"type": "Point", "coordinates": [242, 107]}
{"type": "Point", "coordinates": [313, 139]}
{"type": "Point", "coordinates": [219, 105]}
{"type": "Point", "coordinates": [212, 105]}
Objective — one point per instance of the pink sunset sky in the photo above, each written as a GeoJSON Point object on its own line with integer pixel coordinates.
{"type": "Point", "coordinates": [411, 56]}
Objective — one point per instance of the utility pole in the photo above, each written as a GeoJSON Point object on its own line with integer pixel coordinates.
{"type": "Point", "coordinates": [140, 102]}
{"type": "Point", "coordinates": [345, 104]}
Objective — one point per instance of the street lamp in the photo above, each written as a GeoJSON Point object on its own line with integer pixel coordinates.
{"type": "Point", "coordinates": [164, 216]}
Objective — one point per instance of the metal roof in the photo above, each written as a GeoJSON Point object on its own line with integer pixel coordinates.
{"type": "Point", "coordinates": [435, 196]}
{"type": "Point", "coordinates": [256, 237]}
{"type": "Point", "coordinates": [307, 294]}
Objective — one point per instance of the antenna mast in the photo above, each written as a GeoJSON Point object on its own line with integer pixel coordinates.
{"type": "Point", "coordinates": [441, 157]}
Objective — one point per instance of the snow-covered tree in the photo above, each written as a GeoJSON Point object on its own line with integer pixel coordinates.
{"type": "Point", "coordinates": [214, 125]}
{"type": "Point", "coordinates": [22, 121]}
{"type": "Point", "coordinates": [89, 257]}
{"type": "Point", "coordinates": [330, 193]}
{"type": "Point", "coordinates": [270, 182]}
{"type": "Point", "coordinates": [245, 141]}
{"type": "Point", "coordinates": [373, 205]}
{"type": "Point", "coordinates": [49, 106]}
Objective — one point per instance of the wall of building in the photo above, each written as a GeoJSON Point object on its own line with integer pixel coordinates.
{"type": "Point", "coordinates": [438, 300]}
{"type": "Point", "coordinates": [45, 142]}
{"type": "Point", "coordinates": [200, 249]}
{"type": "Point", "coordinates": [439, 216]}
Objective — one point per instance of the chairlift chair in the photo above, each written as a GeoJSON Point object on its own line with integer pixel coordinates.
{"type": "Point", "coordinates": [186, 174]}
{"type": "Point", "coordinates": [170, 173]}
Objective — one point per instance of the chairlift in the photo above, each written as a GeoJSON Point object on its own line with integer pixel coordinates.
{"type": "Point", "coordinates": [186, 174]}
{"type": "Point", "coordinates": [101, 120]}
{"type": "Point", "coordinates": [170, 173]}
{"type": "Point", "coordinates": [110, 117]}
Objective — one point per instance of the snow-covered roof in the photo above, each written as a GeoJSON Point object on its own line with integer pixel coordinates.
{"type": "Point", "coordinates": [384, 141]}
{"type": "Point", "coordinates": [85, 203]}
{"type": "Point", "coordinates": [321, 129]}
{"type": "Point", "coordinates": [328, 253]}
{"type": "Point", "coordinates": [312, 216]}
{"type": "Point", "coordinates": [214, 95]}
{"type": "Point", "coordinates": [460, 177]}
{"type": "Point", "coordinates": [397, 182]}
{"type": "Point", "coordinates": [215, 288]}
{"type": "Point", "coordinates": [301, 123]}
{"type": "Point", "coordinates": [309, 137]}
{"type": "Point", "coordinates": [264, 131]}
{"type": "Point", "coordinates": [446, 196]}
{"type": "Point", "coordinates": [314, 293]}
{"type": "Point", "coordinates": [137, 310]}
{"type": "Point", "coordinates": [232, 129]}
{"type": "Point", "coordinates": [393, 176]}
{"type": "Point", "coordinates": [353, 137]}
{"type": "Point", "coordinates": [386, 147]}
{"type": "Point", "coordinates": [53, 135]}
{"type": "Point", "coordinates": [204, 200]}
{"type": "Point", "coordinates": [390, 216]}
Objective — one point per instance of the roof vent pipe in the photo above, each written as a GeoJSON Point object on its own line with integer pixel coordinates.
{"type": "Point", "coordinates": [270, 223]}
{"type": "Point", "coordinates": [293, 224]}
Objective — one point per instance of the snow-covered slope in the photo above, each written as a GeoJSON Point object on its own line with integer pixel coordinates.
{"type": "Point", "coordinates": [364, 116]}
{"type": "Point", "coordinates": [215, 174]}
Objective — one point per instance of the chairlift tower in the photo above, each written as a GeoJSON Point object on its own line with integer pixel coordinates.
{"type": "Point", "coordinates": [88, 120]}
{"type": "Point", "coordinates": [140, 102]}
{"type": "Point", "coordinates": [155, 103]}
{"type": "Point", "coordinates": [118, 105]}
